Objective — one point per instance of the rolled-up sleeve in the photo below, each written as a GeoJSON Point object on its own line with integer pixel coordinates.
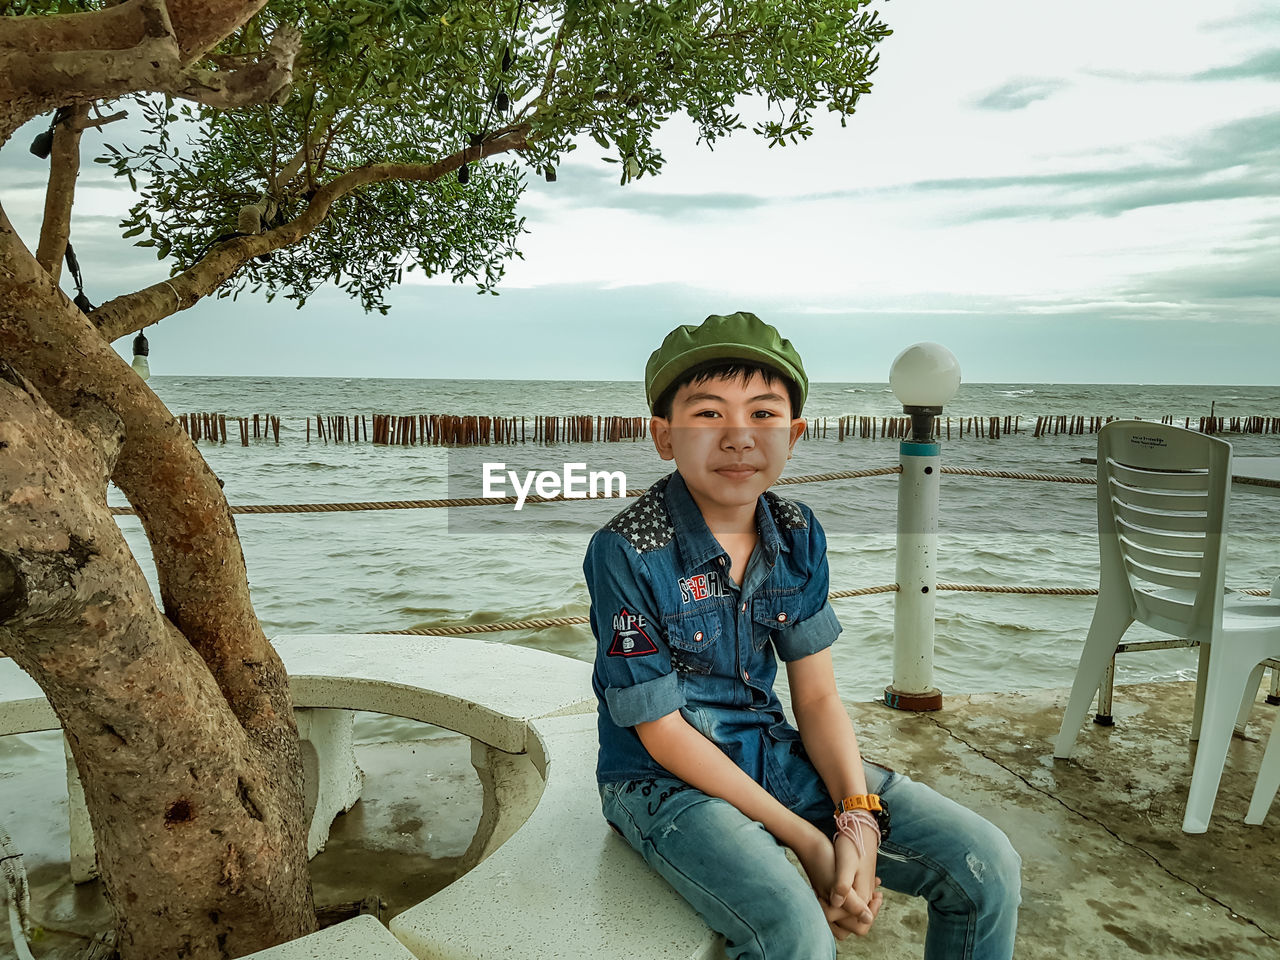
{"type": "Point", "coordinates": [809, 635]}
{"type": "Point", "coordinates": [633, 661]}
{"type": "Point", "coordinates": [818, 629]}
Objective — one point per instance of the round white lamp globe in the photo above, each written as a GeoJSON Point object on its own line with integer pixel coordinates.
{"type": "Point", "coordinates": [925, 375]}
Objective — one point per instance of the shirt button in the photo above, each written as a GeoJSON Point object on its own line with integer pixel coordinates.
{"type": "Point", "coordinates": [782, 618]}
{"type": "Point", "coordinates": [745, 675]}
{"type": "Point", "coordinates": [722, 561]}
{"type": "Point", "coordinates": [744, 608]}
{"type": "Point", "coordinates": [698, 635]}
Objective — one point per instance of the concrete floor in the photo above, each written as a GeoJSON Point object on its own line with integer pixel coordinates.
{"type": "Point", "coordinates": [1107, 872]}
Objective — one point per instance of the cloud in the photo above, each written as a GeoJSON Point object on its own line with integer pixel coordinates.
{"type": "Point", "coordinates": [1263, 15]}
{"type": "Point", "coordinates": [1237, 160]}
{"type": "Point", "coordinates": [1264, 65]}
{"type": "Point", "coordinates": [1019, 93]}
{"type": "Point", "coordinates": [1248, 279]}
{"type": "Point", "coordinates": [580, 187]}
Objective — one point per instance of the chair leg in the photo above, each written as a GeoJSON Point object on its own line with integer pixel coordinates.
{"type": "Point", "coordinates": [1223, 691]}
{"type": "Point", "coordinates": [1106, 690]}
{"type": "Point", "coordinates": [1264, 791]}
{"type": "Point", "coordinates": [1250, 694]}
{"type": "Point", "coordinates": [1202, 676]}
{"type": "Point", "coordinates": [1111, 618]}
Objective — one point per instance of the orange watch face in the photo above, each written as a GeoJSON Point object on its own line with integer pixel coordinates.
{"type": "Point", "coordinates": [866, 801]}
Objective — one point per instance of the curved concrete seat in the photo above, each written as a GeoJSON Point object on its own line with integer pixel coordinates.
{"type": "Point", "coordinates": [360, 938]}
{"type": "Point", "coordinates": [485, 690]}
{"type": "Point", "coordinates": [564, 885]}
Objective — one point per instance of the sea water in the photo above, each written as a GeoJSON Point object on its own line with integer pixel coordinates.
{"type": "Point", "coordinates": [356, 572]}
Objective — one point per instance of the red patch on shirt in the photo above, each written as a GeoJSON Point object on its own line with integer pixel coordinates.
{"type": "Point", "coordinates": [629, 638]}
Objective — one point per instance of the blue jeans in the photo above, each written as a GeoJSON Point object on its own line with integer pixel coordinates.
{"type": "Point", "coordinates": [737, 876]}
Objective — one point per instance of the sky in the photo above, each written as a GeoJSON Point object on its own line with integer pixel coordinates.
{"type": "Point", "coordinates": [1071, 193]}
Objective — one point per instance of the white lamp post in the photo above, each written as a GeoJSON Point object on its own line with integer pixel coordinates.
{"type": "Point", "coordinates": [924, 378]}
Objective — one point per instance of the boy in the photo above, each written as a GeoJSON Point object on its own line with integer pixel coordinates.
{"type": "Point", "coordinates": [694, 590]}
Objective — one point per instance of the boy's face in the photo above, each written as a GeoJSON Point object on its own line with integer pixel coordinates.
{"type": "Point", "coordinates": [730, 439]}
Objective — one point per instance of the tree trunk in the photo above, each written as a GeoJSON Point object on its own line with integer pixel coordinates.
{"type": "Point", "coordinates": [180, 723]}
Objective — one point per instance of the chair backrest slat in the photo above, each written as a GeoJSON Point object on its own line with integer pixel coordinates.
{"type": "Point", "coordinates": [1175, 479]}
{"type": "Point", "coordinates": [1161, 521]}
{"type": "Point", "coordinates": [1162, 577]}
{"type": "Point", "coordinates": [1161, 541]}
{"type": "Point", "coordinates": [1156, 498]}
{"type": "Point", "coordinates": [1167, 559]}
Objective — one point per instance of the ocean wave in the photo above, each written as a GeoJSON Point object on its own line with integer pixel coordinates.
{"type": "Point", "coordinates": [1015, 393]}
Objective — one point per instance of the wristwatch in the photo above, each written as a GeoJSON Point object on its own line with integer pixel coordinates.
{"type": "Point", "coordinates": [873, 804]}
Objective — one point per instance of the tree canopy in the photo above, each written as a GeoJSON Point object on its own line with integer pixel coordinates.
{"type": "Point", "coordinates": [383, 93]}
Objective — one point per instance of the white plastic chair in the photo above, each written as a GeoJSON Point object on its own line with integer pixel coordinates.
{"type": "Point", "coordinates": [1162, 505]}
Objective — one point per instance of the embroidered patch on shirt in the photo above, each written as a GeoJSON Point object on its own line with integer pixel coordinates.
{"type": "Point", "coordinates": [645, 524]}
{"type": "Point", "coordinates": [629, 638]}
{"type": "Point", "coordinates": [701, 586]}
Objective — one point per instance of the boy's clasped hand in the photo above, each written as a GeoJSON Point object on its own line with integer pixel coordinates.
{"type": "Point", "coordinates": [845, 883]}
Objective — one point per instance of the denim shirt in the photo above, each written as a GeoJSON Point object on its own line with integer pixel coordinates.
{"type": "Point", "coordinates": [673, 632]}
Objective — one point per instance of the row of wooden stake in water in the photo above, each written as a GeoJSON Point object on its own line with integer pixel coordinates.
{"type": "Point", "coordinates": [213, 426]}
{"type": "Point", "coordinates": [444, 429]}
{"type": "Point", "coordinates": [449, 430]}
{"type": "Point", "coordinates": [1047, 425]}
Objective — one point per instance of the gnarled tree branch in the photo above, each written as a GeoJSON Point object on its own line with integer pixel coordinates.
{"type": "Point", "coordinates": [134, 311]}
{"type": "Point", "coordinates": [253, 82]}
{"type": "Point", "coordinates": [139, 45]}
{"type": "Point", "coordinates": [64, 167]}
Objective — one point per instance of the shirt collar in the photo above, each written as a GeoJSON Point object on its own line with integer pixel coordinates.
{"type": "Point", "coordinates": [773, 541]}
{"type": "Point", "coordinates": [697, 544]}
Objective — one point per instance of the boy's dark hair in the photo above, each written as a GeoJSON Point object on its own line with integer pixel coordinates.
{"type": "Point", "coordinates": [730, 370]}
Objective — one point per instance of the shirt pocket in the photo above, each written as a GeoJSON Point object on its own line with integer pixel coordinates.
{"type": "Point", "coordinates": [692, 639]}
{"type": "Point", "coordinates": [773, 612]}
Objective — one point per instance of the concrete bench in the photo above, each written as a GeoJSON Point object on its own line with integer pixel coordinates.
{"type": "Point", "coordinates": [548, 877]}
{"type": "Point", "coordinates": [360, 938]}
{"type": "Point", "coordinates": [564, 885]}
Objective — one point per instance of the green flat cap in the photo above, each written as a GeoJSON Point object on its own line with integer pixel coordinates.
{"type": "Point", "coordinates": [738, 336]}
